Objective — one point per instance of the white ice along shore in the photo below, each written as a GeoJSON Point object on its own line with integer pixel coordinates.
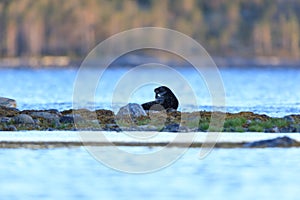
{"type": "Point", "coordinates": [108, 138]}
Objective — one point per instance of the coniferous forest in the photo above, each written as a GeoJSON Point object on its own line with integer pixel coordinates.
{"type": "Point", "coordinates": [224, 27]}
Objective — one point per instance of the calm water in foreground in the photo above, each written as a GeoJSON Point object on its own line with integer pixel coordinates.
{"type": "Point", "coordinates": [224, 174]}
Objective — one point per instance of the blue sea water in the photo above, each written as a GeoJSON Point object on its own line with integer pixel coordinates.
{"type": "Point", "coordinates": [272, 91]}
{"type": "Point", "coordinates": [225, 173]}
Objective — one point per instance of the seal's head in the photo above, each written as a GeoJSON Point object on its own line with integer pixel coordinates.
{"type": "Point", "coordinates": [161, 91]}
{"type": "Point", "coordinates": [165, 97]}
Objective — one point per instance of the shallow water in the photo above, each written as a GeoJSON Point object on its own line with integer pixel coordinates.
{"type": "Point", "coordinates": [225, 173]}
{"type": "Point", "coordinates": [272, 91]}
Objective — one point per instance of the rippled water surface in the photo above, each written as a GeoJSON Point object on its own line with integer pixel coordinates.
{"type": "Point", "coordinates": [272, 91]}
{"type": "Point", "coordinates": [225, 173]}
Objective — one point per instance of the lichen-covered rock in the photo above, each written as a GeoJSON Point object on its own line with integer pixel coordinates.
{"type": "Point", "coordinates": [9, 103]}
{"type": "Point", "coordinates": [23, 119]}
{"type": "Point", "coordinates": [86, 114]}
{"type": "Point", "coordinates": [105, 116]}
{"type": "Point", "coordinates": [8, 112]}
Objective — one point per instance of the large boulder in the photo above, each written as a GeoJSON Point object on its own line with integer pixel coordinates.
{"type": "Point", "coordinates": [130, 113]}
{"type": "Point", "coordinates": [133, 109]}
{"type": "Point", "coordinates": [23, 119]}
{"type": "Point", "coordinates": [9, 103]}
{"type": "Point", "coordinates": [44, 115]}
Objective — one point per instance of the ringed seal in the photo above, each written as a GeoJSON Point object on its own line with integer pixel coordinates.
{"type": "Point", "coordinates": [164, 100]}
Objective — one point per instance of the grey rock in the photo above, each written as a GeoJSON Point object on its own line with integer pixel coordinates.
{"type": "Point", "coordinates": [289, 129]}
{"type": "Point", "coordinates": [70, 119]}
{"type": "Point", "coordinates": [44, 115]}
{"type": "Point", "coordinates": [66, 119]}
{"type": "Point", "coordinates": [131, 110]}
{"type": "Point", "coordinates": [171, 128]}
{"type": "Point", "coordinates": [277, 142]}
{"type": "Point", "coordinates": [273, 130]}
{"type": "Point", "coordinates": [186, 129]}
{"type": "Point", "coordinates": [37, 121]}
{"type": "Point", "coordinates": [5, 120]}
{"type": "Point", "coordinates": [147, 127]}
{"type": "Point", "coordinates": [44, 118]}
{"type": "Point", "coordinates": [297, 127]}
{"type": "Point", "coordinates": [6, 102]}
{"type": "Point", "coordinates": [23, 119]}
{"type": "Point", "coordinates": [49, 117]}
{"type": "Point", "coordinates": [289, 119]}
{"type": "Point", "coordinates": [112, 127]}
{"type": "Point", "coordinates": [11, 128]}
{"type": "Point", "coordinates": [54, 111]}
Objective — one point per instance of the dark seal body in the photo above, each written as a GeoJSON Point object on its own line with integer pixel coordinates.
{"type": "Point", "coordinates": [164, 100]}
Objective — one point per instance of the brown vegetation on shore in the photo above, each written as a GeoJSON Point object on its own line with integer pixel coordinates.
{"type": "Point", "coordinates": [12, 119]}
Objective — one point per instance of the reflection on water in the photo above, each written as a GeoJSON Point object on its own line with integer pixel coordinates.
{"type": "Point", "coordinates": [270, 91]}
{"type": "Point", "coordinates": [225, 173]}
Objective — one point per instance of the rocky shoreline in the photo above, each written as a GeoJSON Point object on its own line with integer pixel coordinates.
{"type": "Point", "coordinates": [12, 119]}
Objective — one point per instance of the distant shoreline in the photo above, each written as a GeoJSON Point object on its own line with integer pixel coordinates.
{"type": "Point", "coordinates": [68, 62]}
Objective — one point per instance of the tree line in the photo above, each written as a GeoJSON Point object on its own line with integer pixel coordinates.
{"type": "Point", "coordinates": [223, 27]}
